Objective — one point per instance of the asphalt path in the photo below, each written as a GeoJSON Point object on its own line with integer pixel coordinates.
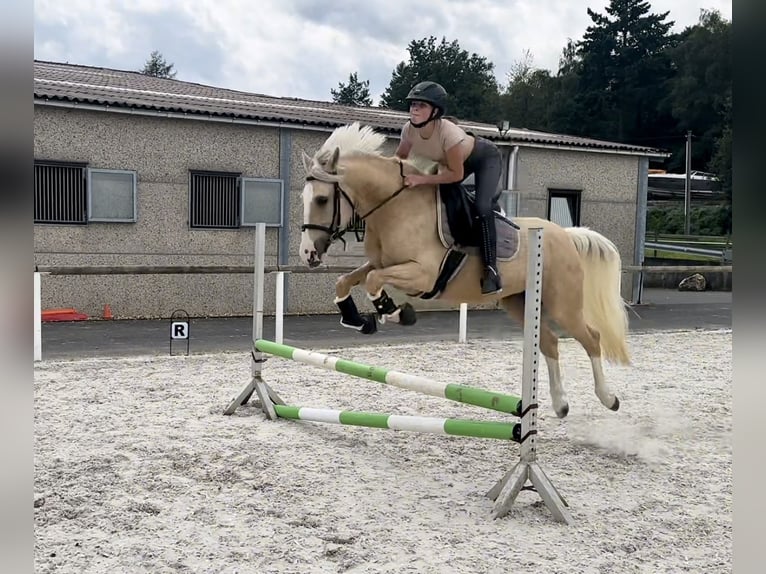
{"type": "Point", "coordinates": [661, 310]}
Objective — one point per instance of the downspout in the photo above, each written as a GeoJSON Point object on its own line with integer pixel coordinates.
{"type": "Point", "coordinates": [285, 150]}
{"type": "Point", "coordinates": [513, 168]}
{"type": "Point", "coordinates": [512, 179]}
{"type": "Point", "coordinates": [642, 192]}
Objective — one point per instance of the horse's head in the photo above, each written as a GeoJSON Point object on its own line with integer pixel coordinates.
{"type": "Point", "coordinates": [326, 208]}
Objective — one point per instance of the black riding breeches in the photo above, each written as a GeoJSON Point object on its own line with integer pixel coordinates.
{"type": "Point", "coordinates": [485, 163]}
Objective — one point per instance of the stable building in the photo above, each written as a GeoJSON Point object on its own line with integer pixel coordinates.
{"type": "Point", "coordinates": [137, 170]}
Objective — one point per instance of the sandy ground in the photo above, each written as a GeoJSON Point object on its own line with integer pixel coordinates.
{"type": "Point", "coordinates": [137, 470]}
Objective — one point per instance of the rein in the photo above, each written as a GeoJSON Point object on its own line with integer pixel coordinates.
{"type": "Point", "coordinates": [334, 230]}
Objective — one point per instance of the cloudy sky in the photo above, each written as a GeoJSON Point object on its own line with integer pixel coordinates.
{"type": "Point", "coordinates": [303, 48]}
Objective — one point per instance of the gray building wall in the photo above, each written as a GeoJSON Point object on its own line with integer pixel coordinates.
{"type": "Point", "coordinates": [163, 150]}
{"type": "Point", "coordinates": [608, 185]}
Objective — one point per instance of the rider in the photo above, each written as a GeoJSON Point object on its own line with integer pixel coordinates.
{"type": "Point", "coordinates": [428, 134]}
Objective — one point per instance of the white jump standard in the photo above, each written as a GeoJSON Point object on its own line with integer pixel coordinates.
{"type": "Point", "coordinates": [506, 490]}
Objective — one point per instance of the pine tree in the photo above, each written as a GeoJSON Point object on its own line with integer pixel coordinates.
{"type": "Point", "coordinates": [355, 93]}
{"type": "Point", "coordinates": [158, 67]}
{"type": "Point", "coordinates": [624, 67]}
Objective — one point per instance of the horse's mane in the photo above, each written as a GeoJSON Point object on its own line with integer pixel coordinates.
{"type": "Point", "coordinates": [355, 139]}
{"type": "Point", "coordinates": [350, 138]}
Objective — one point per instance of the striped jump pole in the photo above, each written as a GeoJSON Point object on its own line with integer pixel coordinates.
{"type": "Point", "coordinates": [468, 395]}
{"type": "Point", "coordinates": [436, 425]}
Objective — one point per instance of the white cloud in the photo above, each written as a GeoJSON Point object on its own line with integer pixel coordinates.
{"type": "Point", "coordinates": [303, 48]}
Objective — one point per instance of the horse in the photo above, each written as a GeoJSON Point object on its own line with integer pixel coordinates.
{"type": "Point", "coordinates": [404, 247]}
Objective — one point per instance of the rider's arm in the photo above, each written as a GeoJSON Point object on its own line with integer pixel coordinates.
{"type": "Point", "coordinates": [403, 150]}
{"type": "Point", "coordinates": [449, 173]}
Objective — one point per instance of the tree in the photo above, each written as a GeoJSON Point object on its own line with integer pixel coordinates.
{"type": "Point", "coordinates": [528, 97]}
{"type": "Point", "coordinates": [697, 93]}
{"type": "Point", "coordinates": [624, 68]}
{"type": "Point", "coordinates": [720, 164]}
{"type": "Point", "coordinates": [158, 67]}
{"type": "Point", "coordinates": [355, 93]}
{"type": "Point", "coordinates": [468, 79]}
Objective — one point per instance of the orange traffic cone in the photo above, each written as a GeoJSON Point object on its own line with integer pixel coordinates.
{"type": "Point", "coordinates": [107, 312]}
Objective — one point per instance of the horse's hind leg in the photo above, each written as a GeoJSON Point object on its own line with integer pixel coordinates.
{"type": "Point", "coordinates": [549, 347]}
{"type": "Point", "coordinates": [589, 338]}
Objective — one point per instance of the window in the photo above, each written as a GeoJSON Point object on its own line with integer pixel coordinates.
{"type": "Point", "coordinates": [71, 193]}
{"type": "Point", "coordinates": [60, 193]}
{"type": "Point", "coordinates": [262, 201]}
{"type": "Point", "coordinates": [564, 207]}
{"type": "Point", "coordinates": [228, 201]}
{"type": "Point", "coordinates": [356, 226]}
{"type": "Point", "coordinates": [214, 200]}
{"type": "Point", "coordinates": [112, 195]}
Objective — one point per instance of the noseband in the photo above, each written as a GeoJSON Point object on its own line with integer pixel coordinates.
{"type": "Point", "coordinates": [334, 231]}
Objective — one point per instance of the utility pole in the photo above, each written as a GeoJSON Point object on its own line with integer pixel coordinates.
{"type": "Point", "coordinates": [688, 185]}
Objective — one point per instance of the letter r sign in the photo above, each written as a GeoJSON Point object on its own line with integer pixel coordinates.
{"type": "Point", "coordinates": [179, 330]}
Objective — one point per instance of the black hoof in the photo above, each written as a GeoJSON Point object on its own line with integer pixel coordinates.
{"type": "Point", "coordinates": [370, 324]}
{"type": "Point", "coordinates": [615, 405]}
{"type": "Point", "coordinates": [407, 315]}
{"type": "Point", "coordinates": [563, 413]}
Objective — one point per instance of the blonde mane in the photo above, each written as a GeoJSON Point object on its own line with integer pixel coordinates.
{"type": "Point", "coordinates": [350, 138]}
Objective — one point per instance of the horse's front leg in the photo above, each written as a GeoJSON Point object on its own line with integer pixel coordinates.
{"type": "Point", "coordinates": [349, 314]}
{"type": "Point", "coordinates": [408, 277]}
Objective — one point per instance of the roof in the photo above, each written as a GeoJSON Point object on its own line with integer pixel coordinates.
{"type": "Point", "coordinates": [56, 82]}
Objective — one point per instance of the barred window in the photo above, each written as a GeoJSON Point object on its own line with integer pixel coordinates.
{"type": "Point", "coordinates": [60, 193]}
{"type": "Point", "coordinates": [357, 226]}
{"type": "Point", "coordinates": [72, 193]}
{"type": "Point", "coordinates": [214, 200]}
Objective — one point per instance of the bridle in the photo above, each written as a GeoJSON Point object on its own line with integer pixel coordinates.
{"type": "Point", "coordinates": [334, 230]}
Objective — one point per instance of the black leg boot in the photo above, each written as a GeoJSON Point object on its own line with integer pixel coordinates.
{"type": "Point", "coordinates": [490, 282]}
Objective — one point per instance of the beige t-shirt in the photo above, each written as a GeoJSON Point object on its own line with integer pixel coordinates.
{"type": "Point", "coordinates": [446, 135]}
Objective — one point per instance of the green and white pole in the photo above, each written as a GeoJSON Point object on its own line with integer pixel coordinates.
{"type": "Point", "coordinates": [436, 425]}
{"type": "Point", "coordinates": [459, 393]}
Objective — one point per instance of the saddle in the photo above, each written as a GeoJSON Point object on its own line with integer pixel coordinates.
{"type": "Point", "coordinates": [456, 221]}
{"type": "Point", "coordinates": [456, 215]}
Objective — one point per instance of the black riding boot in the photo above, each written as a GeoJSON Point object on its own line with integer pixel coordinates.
{"type": "Point", "coordinates": [490, 282]}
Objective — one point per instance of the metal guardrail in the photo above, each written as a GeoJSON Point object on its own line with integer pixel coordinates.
{"type": "Point", "coordinates": [722, 254]}
{"type": "Point", "coordinates": [648, 269]}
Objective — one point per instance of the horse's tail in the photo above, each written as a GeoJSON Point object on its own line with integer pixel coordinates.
{"type": "Point", "coordinates": [603, 305]}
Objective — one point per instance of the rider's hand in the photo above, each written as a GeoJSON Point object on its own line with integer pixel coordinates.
{"type": "Point", "coordinates": [414, 180]}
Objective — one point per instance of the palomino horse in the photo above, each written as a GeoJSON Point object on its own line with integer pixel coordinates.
{"type": "Point", "coordinates": [581, 268]}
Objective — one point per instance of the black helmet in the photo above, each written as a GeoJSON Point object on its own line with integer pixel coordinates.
{"type": "Point", "coordinates": [432, 93]}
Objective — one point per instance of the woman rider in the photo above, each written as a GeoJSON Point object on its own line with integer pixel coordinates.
{"type": "Point", "coordinates": [428, 134]}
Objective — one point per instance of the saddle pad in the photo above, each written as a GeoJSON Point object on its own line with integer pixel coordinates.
{"type": "Point", "coordinates": [507, 234]}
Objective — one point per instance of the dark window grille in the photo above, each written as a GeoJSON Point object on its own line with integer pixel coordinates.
{"type": "Point", "coordinates": [60, 193]}
{"type": "Point", "coordinates": [214, 200]}
{"type": "Point", "coordinates": [357, 226]}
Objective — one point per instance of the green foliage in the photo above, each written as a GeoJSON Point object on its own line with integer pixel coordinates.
{"type": "Point", "coordinates": [157, 66]}
{"type": "Point", "coordinates": [355, 93]}
{"type": "Point", "coordinates": [624, 65]}
{"type": "Point", "coordinates": [528, 97]}
{"type": "Point", "coordinates": [696, 95]}
{"type": "Point", "coordinates": [704, 220]}
{"type": "Point", "coordinates": [629, 79]}
{"type": "Point", "coordinates": [468, 79]}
